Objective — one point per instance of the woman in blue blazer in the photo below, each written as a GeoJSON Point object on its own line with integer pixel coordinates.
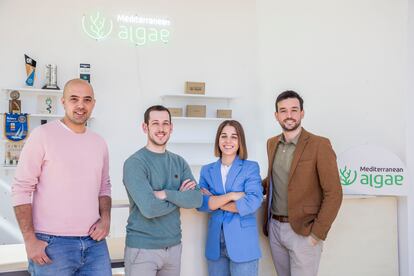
{"type": "Point", "coordinates": [232, 193]}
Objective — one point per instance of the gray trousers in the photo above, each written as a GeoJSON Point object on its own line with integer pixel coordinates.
{"type": "Point", "coordinates": [153, 262]}
{"type": "Point", "coordinates": [293, 254]}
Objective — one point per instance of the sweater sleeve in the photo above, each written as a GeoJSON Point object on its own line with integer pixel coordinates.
{"type": "Point", "coordinates": [253, 190]}
{"type": "Point", "coordinates": [140, 191]}
{"type": "Point", "coordinates": [105, 180]}
{"type": "Point", "coordinates": [187, 199]}
{"type": "Point", "coordinates": [28, 170]}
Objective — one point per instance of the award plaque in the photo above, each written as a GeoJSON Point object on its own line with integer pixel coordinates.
{"type": "Point", "coordinates": [12, 153]}
{"type": "Point", "coordinates": [51, 77]}
{"type": "Point", "coordinates": [30, 70]}
{"type": "Point", "coordinates": [15, 105]}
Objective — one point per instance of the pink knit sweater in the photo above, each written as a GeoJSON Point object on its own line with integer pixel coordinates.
{"type": "Point", "coordinates": [62, 174]}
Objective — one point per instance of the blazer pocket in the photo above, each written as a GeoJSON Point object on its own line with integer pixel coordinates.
{"type": "Point", "coordinates": [248, 222]}
{"type": "Point", "coordinates": [313, 209]}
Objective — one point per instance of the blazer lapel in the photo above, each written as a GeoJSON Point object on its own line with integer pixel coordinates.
{"type": "Point", "coordinates": [271, 153]}
{"type": "Point", "coordinates": [215, 172]}
{"type": "Point", "coordinates": [303, 140]}
{"type": "Point", "coordinates": [234, 171]}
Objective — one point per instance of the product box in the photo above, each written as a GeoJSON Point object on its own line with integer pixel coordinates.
{"type": "Point", "coordinates": [223, 113]}
{"type": "Point", "coordinates": [195, 88]}
{"type": "Point", "coordinates": [175, 111]}
{"type": "Point", "coordinates": [196, 111]}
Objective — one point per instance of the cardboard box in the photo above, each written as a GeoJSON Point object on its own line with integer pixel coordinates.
{"type": "Point", "coordinates": [195, 88]}
{"type": "Point", "coordinates": [176, 111]}
{"type": "Point", "coordinates": [196, 111]}
{"type": "Point", "coordinates": [223, 113]}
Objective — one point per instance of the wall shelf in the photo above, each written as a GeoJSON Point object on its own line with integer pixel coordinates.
{"type": "Point", "coordinates": [195, 96]}
{"type": "Point", "coordinates": [199, 119]}
{"type": "Point", "coordinates": [10, 167]}
{"type": "Point", "coordinates": [37, 91]}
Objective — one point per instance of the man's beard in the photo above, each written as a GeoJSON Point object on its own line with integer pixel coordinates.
{"type": "Point", "coordinates": [295, 127]}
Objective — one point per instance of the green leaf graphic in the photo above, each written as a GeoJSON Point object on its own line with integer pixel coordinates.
{"type": "Point", "coordinates": [97, 26]}
{"type": "Point", "coordinates": [348, 177]}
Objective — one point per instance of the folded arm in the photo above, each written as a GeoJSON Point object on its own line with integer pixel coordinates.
{"type": "Point", "coordinates": [253, 190]}
{"type": "Point", "coordinates": [141, 192]}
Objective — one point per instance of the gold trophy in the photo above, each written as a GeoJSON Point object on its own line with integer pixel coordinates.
{"type": "Point", "coordinates": [15, 105]}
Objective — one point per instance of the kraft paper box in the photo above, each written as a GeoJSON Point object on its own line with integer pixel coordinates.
{"type": "Point", "coordinates": [195, 88]}
{"type": "Point", "coordinates": [175, 111]}
{"type": "Point", "coordinates": [196, 111]}
{"type": "Point", "coordinates": [223, 113]}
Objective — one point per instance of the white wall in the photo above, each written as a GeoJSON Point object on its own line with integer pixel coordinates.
{"type": "Point", "coordinates": [345, 57]}
{"type": "Point", "coordinates": [211, 41]}
{"type": "Point", "coordinates": [348, 59]}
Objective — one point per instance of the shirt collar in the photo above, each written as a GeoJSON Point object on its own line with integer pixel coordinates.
{"type": "Point", "coordinates": [294, 140]}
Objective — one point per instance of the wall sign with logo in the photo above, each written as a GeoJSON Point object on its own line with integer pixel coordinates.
{"type": "Point", "coordinates": [372, 170]}
{"type": "Point", "coordinates": [136, 29]}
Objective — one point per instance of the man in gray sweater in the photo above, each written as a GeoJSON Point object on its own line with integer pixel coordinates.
{"type": "Point", "coordinates": [158, 183]}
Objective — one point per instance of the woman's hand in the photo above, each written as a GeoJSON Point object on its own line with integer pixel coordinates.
{"type": "Point", "coordinates": [204, 191]}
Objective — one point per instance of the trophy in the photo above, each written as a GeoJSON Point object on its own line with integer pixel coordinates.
{"type": "Point", "coordinates": [51, 77]}
{"type": "Point", "coordinates": [15, 105]}
{"type": "Point", "coordinates": [30, 70]}
{"type": "Point", "coordinates": [85, 72]}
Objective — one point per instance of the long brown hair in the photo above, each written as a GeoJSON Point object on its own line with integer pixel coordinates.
{"type": "Point", "coordinates": [242, 151]}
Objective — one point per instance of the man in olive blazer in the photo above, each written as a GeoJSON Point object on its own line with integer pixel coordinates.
{"type": "Point", "coordinates": [303, 191]}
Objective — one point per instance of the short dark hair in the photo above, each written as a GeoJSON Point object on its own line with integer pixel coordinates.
{"type": "Point", "coordinates": [155, 108]}
{"type": "Point", "coordinates": [242, 151]}
{"type": "Point", "coordinates": [288, 94]}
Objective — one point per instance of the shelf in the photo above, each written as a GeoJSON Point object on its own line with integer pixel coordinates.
{"type": "Point", "coordinates": [200, 119]}
{"type": "Point", "coordinates": [10, 168]}
{"type": "Point", "coordinates": [47, 115]}
{"type": "Point", "coordinates": [28, 90]}
{"type": "Point", "coordinates": [195, 96]}
{"type": "Point", "coordinates": [41, 115]}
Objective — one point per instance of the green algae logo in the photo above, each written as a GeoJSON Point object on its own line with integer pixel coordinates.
{"type": "Point", "coordinates": [138, 30]}
{"type": "Point", "coordinates": [96, 26]}
{"type": "Point", "coordinates": [372, 170]}
{"type": "Point", "coordinates": [347, 176]}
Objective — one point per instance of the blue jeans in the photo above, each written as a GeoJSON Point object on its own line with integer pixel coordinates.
{"type": "Point", "coordinates": [226, 267]}
{"type": "Point", "coordinates": [80, 256]}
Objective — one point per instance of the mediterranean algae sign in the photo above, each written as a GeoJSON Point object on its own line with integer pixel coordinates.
{"type": "Point", "coordinates": [372, 170]}
{"type": "Point", "coordinates": [136, 29]}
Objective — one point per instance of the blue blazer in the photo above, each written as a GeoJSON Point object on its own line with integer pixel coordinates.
{"type": "Point", "coordinates": [240, 229]}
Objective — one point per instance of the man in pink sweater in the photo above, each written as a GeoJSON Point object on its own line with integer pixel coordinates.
{"type": "Point", "coordinates": [61, 192]}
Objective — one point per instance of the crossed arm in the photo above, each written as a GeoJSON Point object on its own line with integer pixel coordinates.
{"type": "Point", "coordinates": [243, 203]}
{"type": "Point", "coordinates": [224, 202]}
{"type": "Point", "coordinates": [152, 203]}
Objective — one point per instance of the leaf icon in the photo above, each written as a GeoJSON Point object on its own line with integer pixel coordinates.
{"type": "Point", "coordinates": [97, 26]}
{"type": "Point", "coordinates": [346, 177]}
